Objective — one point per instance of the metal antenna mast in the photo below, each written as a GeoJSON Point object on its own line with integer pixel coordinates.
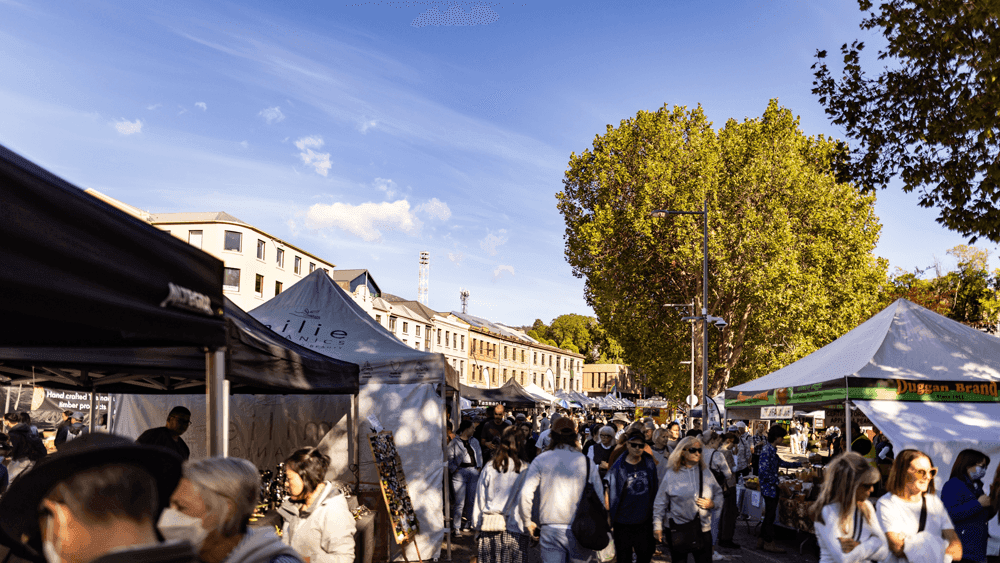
{"type": "Point", "coordinates": [423, 277]}
{"type": "Point", "coordinates": [464, 295]}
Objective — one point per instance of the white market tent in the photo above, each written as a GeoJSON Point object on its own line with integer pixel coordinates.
{"type": "Point", "coordinates": [401, 386]}
{"type": "Point", "coordinates": [540, 394]}
{"type": "Point", "coordinates": [924, 380]}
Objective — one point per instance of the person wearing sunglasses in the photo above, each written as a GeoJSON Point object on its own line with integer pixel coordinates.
{"type": "Point", "coordinates": [632, 487]}
{"type": "Point", "coordinates": [916, 523]}
{"type": "Point", "coordinates": [968, 505]}
{"type": "Point", "coordinates": [847, 528]}
{"type": "Point", "coordinates": [687, 492]}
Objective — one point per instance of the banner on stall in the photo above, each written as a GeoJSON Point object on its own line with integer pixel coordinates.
{"type": "Point", "coordinates": [776, 413]}
{"type": "Point", "coordinates": [869, 390]}
{"type": "Point", "coordinates": [53, 400]}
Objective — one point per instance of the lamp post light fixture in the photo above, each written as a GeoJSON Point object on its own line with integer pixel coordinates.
{"type": "Point", "coordinates": [704, 317]}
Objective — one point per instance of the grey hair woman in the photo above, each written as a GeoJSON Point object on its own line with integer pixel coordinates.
{"type": "Point", "coordinates": [687, 493]}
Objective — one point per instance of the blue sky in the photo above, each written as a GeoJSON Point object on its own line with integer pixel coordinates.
{"type": "Point", "coordinates": [366, 132]}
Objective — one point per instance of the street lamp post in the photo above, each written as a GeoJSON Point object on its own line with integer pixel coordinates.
{"type": "Point", "coordinates": [704, 317]}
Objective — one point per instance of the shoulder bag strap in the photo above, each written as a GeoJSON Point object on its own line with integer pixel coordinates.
{"type": "Point", "coordinates": [923, 515]}
{"type": "Point", "coordinates": [857, 524]}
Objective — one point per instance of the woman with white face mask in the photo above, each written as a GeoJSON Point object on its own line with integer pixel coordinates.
{"type": "Point", "coordinates": [318, 522]}
{"type": "Point", "coordinates": [968, 505]}
{"type": "Point", "coordinates": [211, 509]}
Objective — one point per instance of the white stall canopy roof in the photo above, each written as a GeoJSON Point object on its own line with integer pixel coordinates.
{"type": "Point", "coordinates": [903, 353]}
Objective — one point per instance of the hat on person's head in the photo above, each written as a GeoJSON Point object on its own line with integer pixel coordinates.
{"type": "Point", "coordinates": [564, 425]}
{"type": "Point", "coordinates": [77, 415]}
{"type": "Point", "coordinates": [620, 417]}
{"type": "Point", "coordinates": [741, 424]}
{"type": "Point", "coordinates": [635, 436]}
{"type": "Point", "coordinates": [19, 506]}
{"type": "Point", "coordinates": [520, 416]}
{"type": "Point", "coordinates": [556, 416]}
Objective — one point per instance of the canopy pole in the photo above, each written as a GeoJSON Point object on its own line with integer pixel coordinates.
{"type": "Point", "coordinates": [847, 425]}
{"type": "Point", "coordinates": [215, 374]}
{"type": "Point", "coordinates": [93, 408]}
{"type": "Point", "coordinates": [225, 418]}
{"type": "Point", "coordinates": [444, 463]}
{"type": "Point", "coordinates": [356, 422]}
{"type": "Point", "coordinates": [6, 408]}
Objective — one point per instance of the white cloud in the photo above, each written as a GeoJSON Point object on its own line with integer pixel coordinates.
{"type": "Point", "coordinates": [318, 160]}
{"type": "Point", "coordinates": [456, 257]}
{"type": "Point", "coordinates": [183, 110]}
{"type": "Point", "coordinates": [202, 105]}
{"type": "Point", "coordinates": [492, 241]}
{"type": "Point", "coordinates": [366, 221]}
{"type": "Point", "coordinates": [244, 144]}
{"type": "Point", "coordinates": [126, 127]}
{"type": "Point", "coordinates": [435, 208]}
{"type": "Point", "coordinates": [365, 125]}
{"type": "Point", "coordinates": [501, 269]}
{"type": "Point", "coordinates": [272, 115]}
{"type": "Point", "coordinates": [154, 106]}
{"type": "Point", "coordinates": [386, 185]}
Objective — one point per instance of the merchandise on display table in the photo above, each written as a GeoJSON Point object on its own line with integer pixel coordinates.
{"type": "Point", "coordinates": [394, 490]}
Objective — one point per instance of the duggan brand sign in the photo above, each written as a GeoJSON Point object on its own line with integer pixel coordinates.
{"type": "Point", "coordinates": [869, 389]}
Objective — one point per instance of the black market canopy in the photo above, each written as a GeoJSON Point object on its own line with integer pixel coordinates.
{"type": "Point", "coordinates": [511, 394]}
{"type": "Point", "coordinates": [97, 299]}
{"type": "Point", "coordinates": [903, 353]}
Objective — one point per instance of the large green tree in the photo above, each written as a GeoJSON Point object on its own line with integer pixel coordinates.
{"type": "Point", "coordinates": [790, 247]}
{"type": "Point", "coordinates": [931, 117]}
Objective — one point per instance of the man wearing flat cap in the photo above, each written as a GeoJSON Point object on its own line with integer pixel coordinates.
{"type": "Point", "coordinates": [97, 500]}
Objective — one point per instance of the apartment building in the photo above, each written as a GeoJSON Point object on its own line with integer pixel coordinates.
{"type": "Point", "coordinates": [601, 379]}
{"type": "Point", "coordinates": [450, 335]}
{"type": "Point", "coordinates": [258, 266]}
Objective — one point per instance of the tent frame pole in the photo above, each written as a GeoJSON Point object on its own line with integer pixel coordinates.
{"type": "Point", "coordinates": [93, 408]}
{"type": "Point", "coordinates": [445, 479]}
{"type": "Point", "coordinates": [215, 374]}
{"type": "Point", "coordinates": [847, 424]}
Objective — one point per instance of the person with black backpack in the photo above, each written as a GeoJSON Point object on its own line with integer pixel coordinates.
{"type": "Point", "coordinates": [26, 446]}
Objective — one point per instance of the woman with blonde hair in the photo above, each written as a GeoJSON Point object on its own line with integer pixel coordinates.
{"type": "Point", "coordinates": [684, 500]}
{"type": "Point", "coordinates": [847, 529]}
{"type": "Point", "coordinates": [916, 524]}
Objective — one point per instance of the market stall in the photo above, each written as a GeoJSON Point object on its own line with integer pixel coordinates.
{"type": "Point", "coordinates": [924, 380]}
{"type": "Point", "coordinates": [510, 394]}
{"type": "Point", "coordinates": [402, 387]}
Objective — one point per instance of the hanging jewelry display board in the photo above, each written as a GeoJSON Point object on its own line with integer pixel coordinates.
{"type": "Point", "coordinates": [394, 491]}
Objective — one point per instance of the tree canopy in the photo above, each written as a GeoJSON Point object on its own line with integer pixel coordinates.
{"type": "Point", "coordinates": [932, 116]}
{"type": "Point", "coordinates": [969, 294]}
{"type": "Point", "coordinates": [580, 334]}
{"type": "Point", "coordinates": [790, 247]}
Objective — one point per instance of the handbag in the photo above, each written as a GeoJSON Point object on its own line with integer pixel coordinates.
{"type": "Point", "coordinates": [493, 522]}
{"type": "Point", "coordinates": [687, 537]}
{"type": "Point", "coordinates": [590, 523]}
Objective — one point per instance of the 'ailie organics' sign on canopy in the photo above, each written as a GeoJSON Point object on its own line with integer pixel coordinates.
{"type": "Point", "coordinates": [869, 389]}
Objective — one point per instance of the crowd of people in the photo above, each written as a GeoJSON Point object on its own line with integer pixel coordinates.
{"type": "Point", "coordinates": [517, 481]}
{"type": "Point", "coordinates": [101, 498]}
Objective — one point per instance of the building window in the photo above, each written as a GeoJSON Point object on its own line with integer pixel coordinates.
{"type": "Point", "coordinates": [535, 359]}
{"type": "Point", "coordinates": [454, 340]}
{"type": "Point", "coordinates": [439, 336]}
{"type": "Point", "coordinates": [277, 287]}
{"type": "Point", "coordinates": [312, 267]}
{"type": "Point", "coordinates": [327, 270]}
{"type": "Point", "coordinates": [463, 343]}
{"type": "Point", "coordinates": [505, 352]}
{"type": "Point", "coordinates": [416, 329]}
{"type": "Point", "coordinates": [378, 319]}
{"type": "Point", "coordinates": [298, 265]}
{"type": "Point", "coordinates": [534, 378]}
{"type": "Point", "coordinates": [405, 326]}
{"type": "Point", "coordinates": [194, 238]}
{"type": "Point", "coordinates": [231, 279]}
{"type": "Point", "coordinates": [260, 249]}
{"type": "Point", "coordinates": [281, 257]}
{"type": "Point", "coordinates": [258, 285]}
{"type": "Point", "coordinates": [234, 241]}
{"type": "Point", "coordinates": [522, 356]}
{"type": "Point", "coordinates": [392, 324]}
{"type": "Point", "coordinates": [447, 337]}
{"type": "Point", "coordinates": [462, 362]}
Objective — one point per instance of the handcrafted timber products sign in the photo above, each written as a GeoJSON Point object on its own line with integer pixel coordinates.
{"type": "Point", "coordinates": [869, 389]}
{"type": "Point", "coordinates": [776, 413]}
{"type": "Point", "coordinates": [393, 483]}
